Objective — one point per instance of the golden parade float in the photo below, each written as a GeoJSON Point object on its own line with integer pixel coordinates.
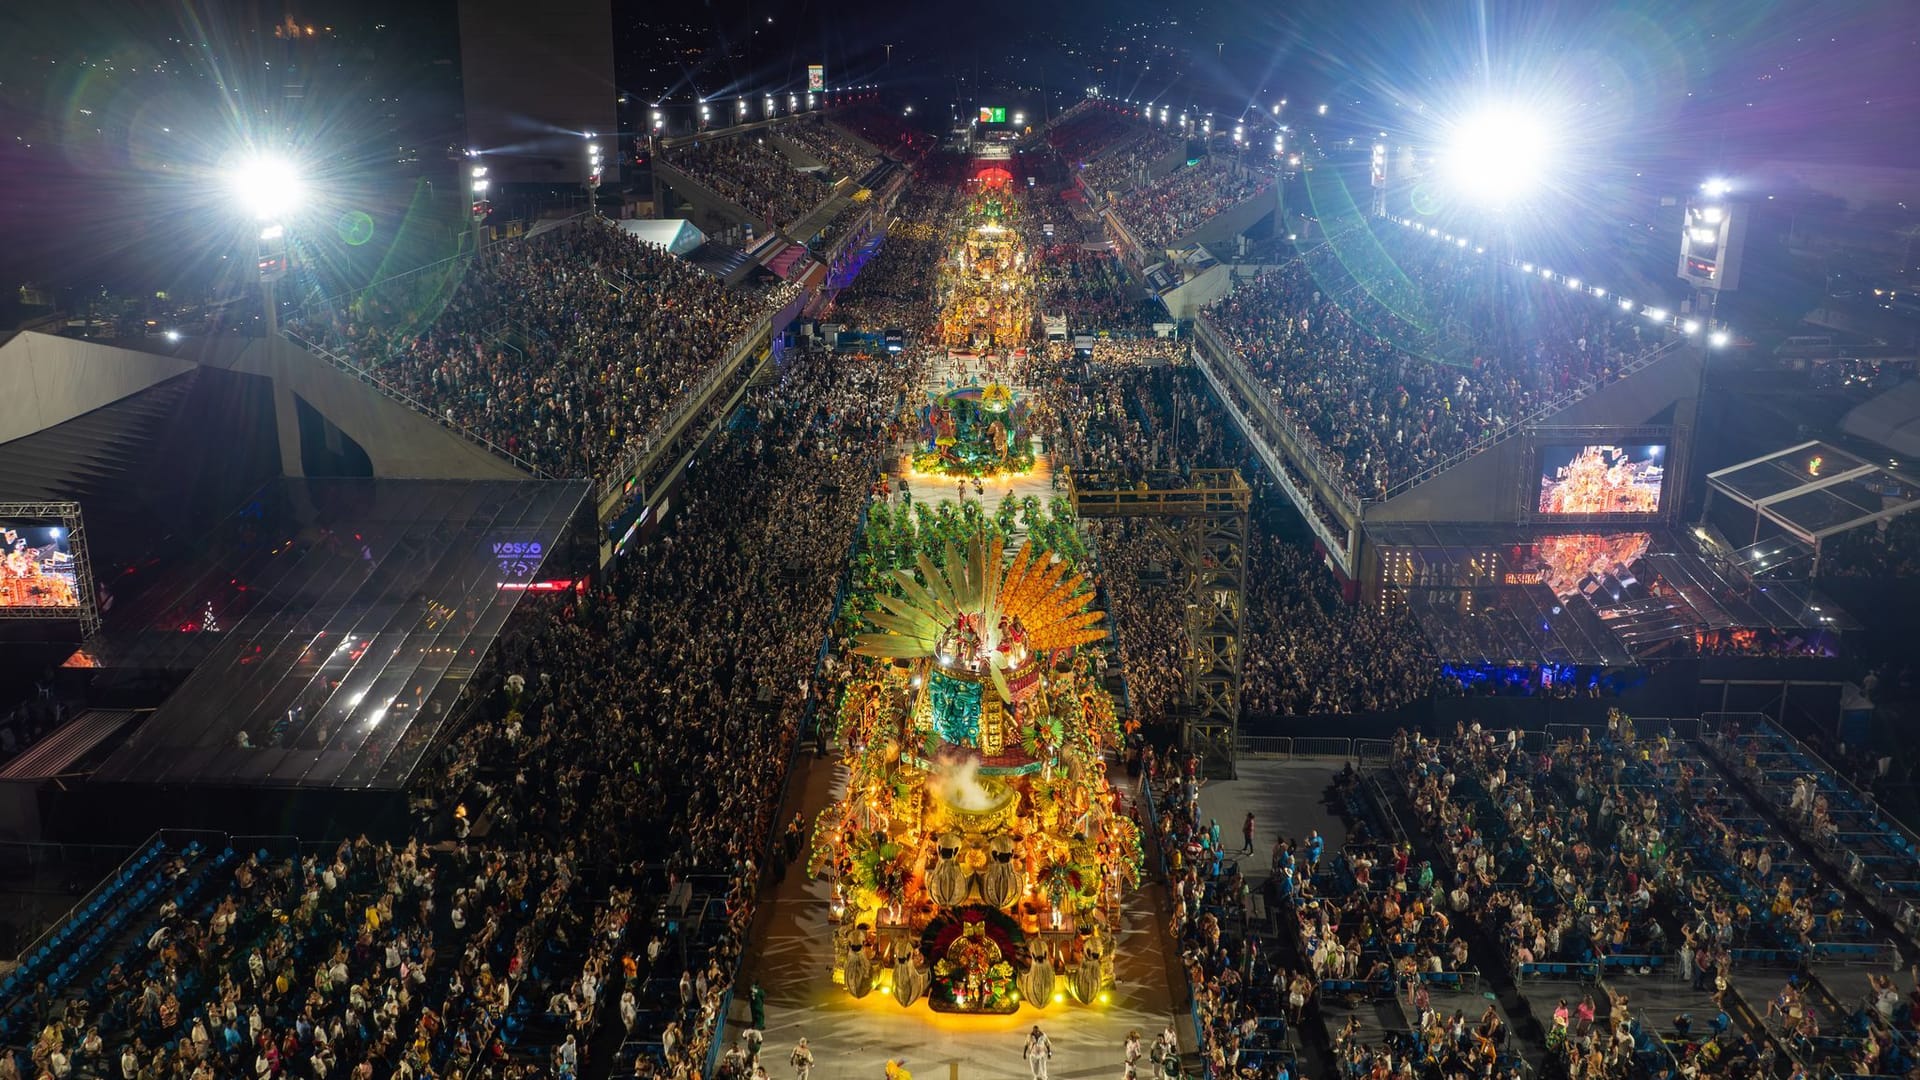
{"type": "Point", "coordinates": [986, 289]}
{"type": "Point", "coordinates": [980, 855]}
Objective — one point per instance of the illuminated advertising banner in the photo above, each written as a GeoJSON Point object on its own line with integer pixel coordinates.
{"type": "Point", "coordinates": [816, 78]}
{"type": "Point", "coordinates": [993, 114]}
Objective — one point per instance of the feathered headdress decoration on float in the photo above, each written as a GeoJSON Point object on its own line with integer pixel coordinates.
{"type": "Point", "coordinates": [982, 613]}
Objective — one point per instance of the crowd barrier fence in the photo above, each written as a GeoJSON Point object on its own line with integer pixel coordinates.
{"type": "Point", "coordinates": [1160, 867]}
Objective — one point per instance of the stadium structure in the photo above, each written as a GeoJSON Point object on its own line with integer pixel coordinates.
{"type": "Point", "coordinates": [1556, 541]}
{"type": "Point", "coordinates": [289, 580]}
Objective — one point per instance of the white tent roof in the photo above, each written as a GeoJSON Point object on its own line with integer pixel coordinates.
{"type": "Point", "coordinates": [677, 235]}
{"type": "Point", "coordinates": [1816, 489]}
{"type": "Point", "coordinates": [1892, 419]}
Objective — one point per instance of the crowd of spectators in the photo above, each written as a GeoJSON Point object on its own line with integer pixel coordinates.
{"type": "Point", "coordinates": [1092, 289]}
{"type": "Point", "coordinates": [1123, 166]}
{"type": "Point", "coordinates": [564, 349]}
{"type": "Point", "coordinates": [637, 743]}
{"type": "Point", "coordinates": [893, 288]}
{"type": "Point", "coordinates": [1234, 982]}
{"type": "Point", "coordinates": [886, 130]}
{"type": "Point", "coordinates": [749, 172]}
{"type": "Point", "coordinates": [1624, 850]}
{"type": "Point", "coordinates": [1309, 652]}
{"type": "Point", "coordinates": [1188, 197]}
{"type": "Point", "coordinates": [843, 155]}
{"type": "Point", "coordinates": [1090, 129]}
{"type": "Point", "coordinates": [1389, 363]}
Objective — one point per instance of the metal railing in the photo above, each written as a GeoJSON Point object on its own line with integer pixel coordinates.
{"type": "Point", "coordinates": [1518, 427]}
{"type": "Point", "coordinates": [1331, 470]}
{"type": "Point", "coordinates": [1289, 747]}
{"type": "Point", "coordinates": [1304, 501]}
{"type": "Point", "coordinates": [636, 456]}
{"type": "Point", "coordinates": [367, 376]}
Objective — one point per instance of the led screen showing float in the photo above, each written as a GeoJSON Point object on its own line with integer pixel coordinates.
{"type": "Point", "coordinates": [37, 567]}
{"type": "Point", "coordinates": [1599, 478]}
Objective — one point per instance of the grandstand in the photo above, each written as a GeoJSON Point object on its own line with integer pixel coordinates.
{"type": "Point", "coordinates": [547, 394]}
{"type": "Point", "coordinates": [1649, 895]}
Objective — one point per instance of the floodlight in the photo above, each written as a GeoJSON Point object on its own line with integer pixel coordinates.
{"type": "Point", "coordinates": [1573, 283]}
{"type": "Point", "coordinates": [1718, 339]}
{"type": "Point", "coordinates": [267, 186]}
{"type": "Point", "coordinates": [1657, 314]}
{"type": "Point", "coordinates": [1626, 304]}
{"type": "Point", "coordinates": [173, 337]}
{"type": "Point", "coordinates": [1498, 154]}
{"type": "Point", "coordinates": [1691, 326]}
{"type": "Point", "coordinates": [1716, 187]}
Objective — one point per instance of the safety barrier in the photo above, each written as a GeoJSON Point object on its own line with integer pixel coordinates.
{"type": "Point", "coordinates": [634, 457]}
{"type": "Point", "coordinates": [1288, 748]}
{"type": "Point", "coordinates": [367, 376]}
{"type": "Point", "coordinates": [1160, 866]}
{"type": "Point", "coordinates": [1557, 971]}
{"type": "Point", "coordinates": [1323, 747]}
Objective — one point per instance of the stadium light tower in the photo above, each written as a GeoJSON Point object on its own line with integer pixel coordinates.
{"type": "Point", "coordinates": [269, 188]}
{"type": "Point", "coordinates": [1498, 154]}
{"type": "Point", "coordinates": [593, 174]}
{"type": "Point", "coordinates": [477, 176]}
{"type": "Point", "coordinates": [1712, 240]}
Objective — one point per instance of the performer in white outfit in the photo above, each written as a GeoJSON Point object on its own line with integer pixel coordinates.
{"type": "Point", "coordinates": [1039, 1050]}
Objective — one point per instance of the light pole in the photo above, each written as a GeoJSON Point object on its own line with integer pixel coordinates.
{"type": "Point", "coordinates": [269, 188]}
{"type": "Point", "coordinates": [593, 175]}
{"type": "Point", "coordinates": [481, 207]}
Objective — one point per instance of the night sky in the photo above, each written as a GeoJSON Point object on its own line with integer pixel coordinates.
{"type": "Point", "coordinates": [1823, 95]}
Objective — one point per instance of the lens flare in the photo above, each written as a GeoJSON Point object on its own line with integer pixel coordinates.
{"type": "Point", "coordinates": [266, 186]}
{"type": "Point", "coordinates": [1498, 154]}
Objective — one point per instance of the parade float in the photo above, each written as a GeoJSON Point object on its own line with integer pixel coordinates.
{"type": "Point", "coordinates": [974, 431]}
{"type": "Point", "coordinates": [980, 855]}
{"type": "Point", "coordinates": [986, 289]}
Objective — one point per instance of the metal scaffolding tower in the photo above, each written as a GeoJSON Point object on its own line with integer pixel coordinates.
{"type": "Point", "coordinates": [1203, 518]}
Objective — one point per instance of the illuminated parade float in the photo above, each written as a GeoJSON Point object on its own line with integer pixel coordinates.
{"type": "Point", "coordinates": [980, 855]}
{"type": "Point", "coordinates": [986, 294]}
{"type": "Point", "coordinates": [974, 431]}
{"type": "Point", "coordinates": [975, 424]}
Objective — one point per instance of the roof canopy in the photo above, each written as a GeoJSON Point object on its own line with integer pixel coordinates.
{"type": "Point", "coordinates": [1816, 489]}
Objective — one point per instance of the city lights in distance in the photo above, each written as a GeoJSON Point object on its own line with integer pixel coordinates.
{"type": "Point", "coordinates": [266, 186]}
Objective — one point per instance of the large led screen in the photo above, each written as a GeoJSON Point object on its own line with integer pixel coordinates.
{"type": "Point", "coordinates": [1599, 478]}
{"type": "Point", "coordinates": [36, 567]}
